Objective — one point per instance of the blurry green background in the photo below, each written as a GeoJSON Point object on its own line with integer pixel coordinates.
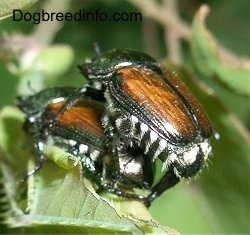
{"type": "Point", "coordinates": [218, 201]}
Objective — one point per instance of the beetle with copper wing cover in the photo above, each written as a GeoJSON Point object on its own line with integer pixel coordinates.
{"type": "Point", "coordinates": [79, 132]}
{"type": "Point", "coordinates": [147, 114]}
{"type": "Point", "coordinates": [150, 108]}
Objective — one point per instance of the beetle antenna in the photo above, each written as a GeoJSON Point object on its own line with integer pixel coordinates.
{"type": "Point", "coordinates": [97, 48]}
{"type": "Point", "coordinates": [31, 88]}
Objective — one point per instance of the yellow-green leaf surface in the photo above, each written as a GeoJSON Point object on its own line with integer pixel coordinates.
{"type": "Point", "coordinates": [55, 60]}
{"type": "Point", "coordinates": [55, 199]}
{"type": "Point", "coordinates": [50, 63]}
{"type": "Point", "coordinates": [7, 6]}
{"type": "Point", "coordinates": [212, 59]}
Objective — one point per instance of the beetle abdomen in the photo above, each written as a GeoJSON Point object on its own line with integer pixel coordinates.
{"type": "Point", "coordinates": [160, 115]}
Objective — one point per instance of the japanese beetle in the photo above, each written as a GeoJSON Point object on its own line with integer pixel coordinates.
{"type": "Point", "coordinates": [79, 132]}
{"type": "Point", "coordinates": [150, 108]}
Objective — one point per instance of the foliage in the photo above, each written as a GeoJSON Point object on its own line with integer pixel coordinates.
{"type": "Point", "coordinates": [217, 201]}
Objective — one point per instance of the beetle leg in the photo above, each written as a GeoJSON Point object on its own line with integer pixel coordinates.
{"type": "Point", "coordinates": [41, 159]}
{"type": "Point", "coordinates": [167, 181]}
{"type": "Point", "coordinates": [95, 94]}
{"type": "Point", "coordinates": [127, 194]}
{"type": "Point", "coordinates": [113, 187]}
{"type": "Point", "coordinates": [72, 99]}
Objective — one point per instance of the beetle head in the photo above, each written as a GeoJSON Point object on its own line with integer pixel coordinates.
{"type": "Point", "coordinates": [103, 66]}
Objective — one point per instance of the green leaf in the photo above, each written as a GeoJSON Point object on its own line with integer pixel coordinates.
{"type": "Point", "coordinates": [7, 6]}
{"type": "Point", "coordinates": [212, 59]}
{"type": "Point", "coordinates": [54, 61]}
{"type": "Point", "coordinates": [58, 197]}
{"type": "Point", "coordinates": [49, 64]}
{"type": "Point", "coordinates": [11, 135]}
{"type": "Point", "coordinates": [217, 201]}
